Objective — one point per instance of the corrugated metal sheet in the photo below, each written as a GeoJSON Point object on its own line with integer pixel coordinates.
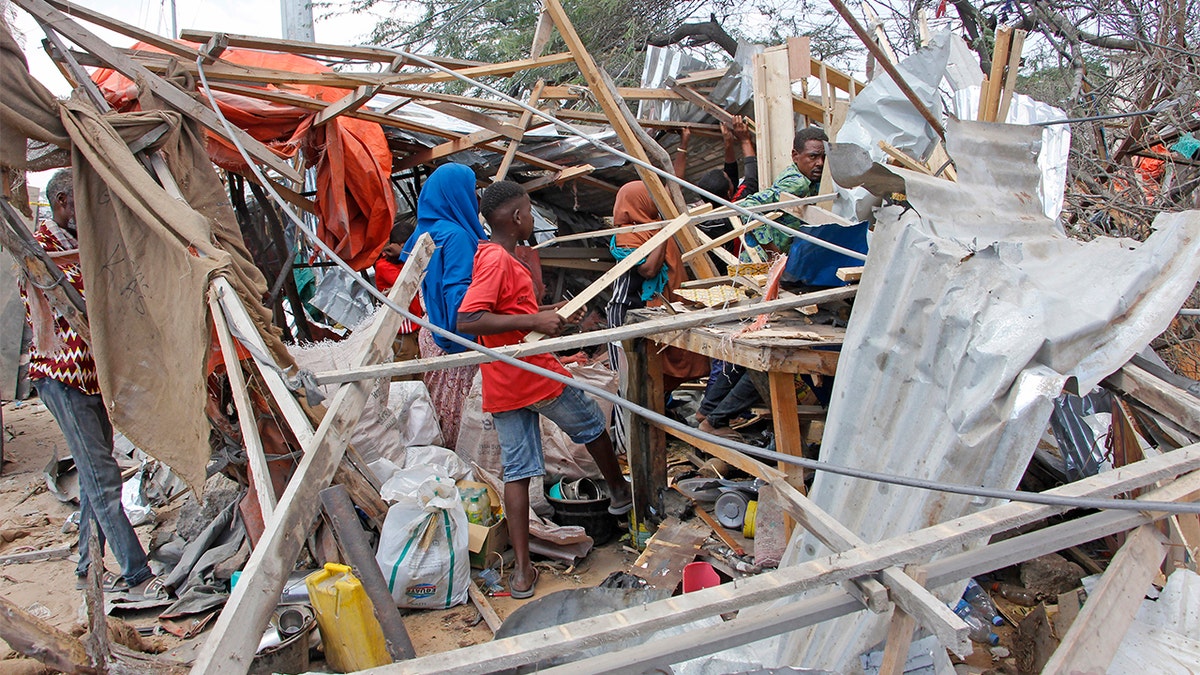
{"type": "Point", "coordinates": [974, 312]}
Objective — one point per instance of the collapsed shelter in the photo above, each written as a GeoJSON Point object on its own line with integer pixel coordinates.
{"type": "Point", "coordinates": [971, 316]}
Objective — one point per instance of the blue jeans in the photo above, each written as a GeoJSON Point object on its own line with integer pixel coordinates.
{"type": "Point", "coordinates": [83, 420]}
{"type": "Point", "coordinates": [730, 392]}
{"type": "Point", "coordinates": [520, 430]}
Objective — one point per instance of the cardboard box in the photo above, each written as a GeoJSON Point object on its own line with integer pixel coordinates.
{"type": "Point", "coordinates": [485, 542]}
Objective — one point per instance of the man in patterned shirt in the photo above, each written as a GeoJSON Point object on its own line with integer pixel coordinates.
{"type": "Point", "coordinates": [64, 373]}
{"type": "Point", "coordinates": [802, 178]}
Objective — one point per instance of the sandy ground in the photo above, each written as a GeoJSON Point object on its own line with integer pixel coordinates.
{"type": "Point", "coordinates": [46, 588]}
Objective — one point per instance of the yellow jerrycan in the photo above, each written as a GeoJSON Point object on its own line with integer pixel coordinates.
{"type": "Point", "coordinates": [350, 633]}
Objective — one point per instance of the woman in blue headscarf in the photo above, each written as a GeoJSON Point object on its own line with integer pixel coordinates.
{"type": "Point", "coordinates": [448, 210]}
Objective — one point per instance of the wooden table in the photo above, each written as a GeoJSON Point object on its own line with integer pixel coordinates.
{"type": "Point", "coordinates": [786, 347]}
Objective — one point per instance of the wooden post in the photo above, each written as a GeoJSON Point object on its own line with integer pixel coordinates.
{"type": "Point", "coordinates": [526, 117]}
{"type": "Point", "coordinates": [900, 631]}
{"type": "Point", "coordinates": [647, 457]}
{"type": "Point", "coordinates": [354, 545]}
{"type": "Point", "coordinates": [773, 114]}
{"type": "Point", "coordinates": [996, 78]}
{"type": "Point", "coordinates": [785, 416]}
{"type": "Point", "coordinates": [607, 100]}
{"type": "Point", "coordinates": [231, 645]}
{"type": "Point", "coordinates": [247, 420]}
{"type": "Point", "coordinates": [1092, 641]}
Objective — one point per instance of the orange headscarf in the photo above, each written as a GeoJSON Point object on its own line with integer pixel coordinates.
{"type": "Point", "coordinates": [634, 205]}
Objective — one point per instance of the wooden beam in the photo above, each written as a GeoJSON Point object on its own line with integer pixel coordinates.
{"type": "Point", "coordinates": [576, 92]}
{"type": "Point", "coordinates": [231, 645]}
{"type": "Point", "coordinates": [256, 457]}
{"type": "Point", "coordinates": [566, 640]}
{"type": "Point", "coordinates": [850, 274]}
{"type": "Point", "coordinates": [903, 159]}
{"type": "Point", "coordinates": [996, 78]}
{"type": "Point", "coordinates": [479, 119]}
{"type": "Point", "coordinates": [37, 639]}
{"type": "Point", "coordinates": [487, 70]}
{"type": "Point", "coordinates": [541, 34]}
{"type": "Point", "coordinates": [1092, 641]}
{"type": "Point", "coordinates": [446, 149]}
{"type": "Point", "coordinates": [167, 92]}
{"type": "Point", "coordinates": [624, 265]}
{"type": "Point", "coordinates": [608, 103]}
{"type": "Point", "coordinates": [773, 113]}
{"type": "Point", "coordinates": [355, 99]}
{"type": "Point", "coordinates": [674, 323]}
{"type": "Point", "coordinates": [360, 53]}
{"type": "Point", "coordinates": [535, 95]}
{"type": "Point", "coordinates": [1010, 79]}
{"type": "Point", "coordinates": [900, 631]}
{"type": "Point", "coordinates": [1177, 405]}
{"type": "Point", "coordinates": [486, 611]}
{"type": "Point", "coordinates": [699, 100]}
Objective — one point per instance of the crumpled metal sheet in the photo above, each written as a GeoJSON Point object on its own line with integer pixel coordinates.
{"type": "Point", "coordinates": [974, 313]}
{"type": "Point", "coordinates": [1165, 634]}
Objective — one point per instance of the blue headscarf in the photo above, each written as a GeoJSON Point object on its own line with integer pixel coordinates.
{"type": "Point", "coordinates": [448, 210]}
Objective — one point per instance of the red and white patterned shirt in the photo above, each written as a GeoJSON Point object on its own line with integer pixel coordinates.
{"type": "Point", "coordinates": [73, 364]}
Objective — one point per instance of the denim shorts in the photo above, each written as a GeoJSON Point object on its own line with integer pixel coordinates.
{"type": "Point", "coordinates": [521, 434]}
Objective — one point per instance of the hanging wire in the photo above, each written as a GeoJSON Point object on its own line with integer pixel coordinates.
{"type": "Point", "coordinates": [814, 465]}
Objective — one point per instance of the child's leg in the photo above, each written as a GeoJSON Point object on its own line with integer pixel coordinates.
{"type": "Point", "coordinates": [516, 508]}
{"type": "Point", "coordinates": [578, 415]}
{"type": "Point", "coordinates": [521, 455]}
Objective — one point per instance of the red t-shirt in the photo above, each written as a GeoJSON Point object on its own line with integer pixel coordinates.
{"type": "Point", "coordinates": [386, 273]}
{"type": "Point", "coordinates": [500, 284]}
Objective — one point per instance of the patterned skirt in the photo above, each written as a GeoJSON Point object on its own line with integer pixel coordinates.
{"type": "Point", "coordinates": [448, 388]}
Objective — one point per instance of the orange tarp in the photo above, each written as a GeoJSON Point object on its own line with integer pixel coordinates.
{"type": "Point", "coordinates": [354, 199]}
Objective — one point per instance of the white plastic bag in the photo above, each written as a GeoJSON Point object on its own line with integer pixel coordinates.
{"type": "Point", "coordinates": [423, 548]}
{"type": "Point", "coordinates": [420, 464]}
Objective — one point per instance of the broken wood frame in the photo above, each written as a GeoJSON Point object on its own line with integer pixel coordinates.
{"type": "Point", "coordinates": [766, 620]}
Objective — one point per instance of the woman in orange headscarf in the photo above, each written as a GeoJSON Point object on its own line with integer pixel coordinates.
{"type": "Point", "coordinates": [656, 277]}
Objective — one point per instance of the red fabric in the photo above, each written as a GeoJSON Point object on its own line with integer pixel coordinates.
{"type": "Point", "coordinates": [386, 273]}
{"type": "Point", "coordinates": [500, 284]}
{"type": "Point", "coordinates": [355, 205]}
{"type": "Point", "coordinates": [72, 364]}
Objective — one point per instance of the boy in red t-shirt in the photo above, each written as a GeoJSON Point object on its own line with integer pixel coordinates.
{"type": "Point", "coordinates": [500, 307]}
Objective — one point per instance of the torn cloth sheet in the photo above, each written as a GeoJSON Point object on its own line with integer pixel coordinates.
{"type": "Point", "coordinates": [974, 312]}
{"type": "Point", "coordinates": [354, 193]}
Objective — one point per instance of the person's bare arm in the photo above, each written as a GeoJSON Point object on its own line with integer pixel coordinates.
{"type": "Point", "coordinates": [654, 262]}
{"type": "Point", "coordinates": [487, 323]}
{"type": "Point", "coordinates": [679, 163]}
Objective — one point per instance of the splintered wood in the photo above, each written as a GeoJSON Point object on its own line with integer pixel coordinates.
{"type": "Point", "coordinates": [672, 547]}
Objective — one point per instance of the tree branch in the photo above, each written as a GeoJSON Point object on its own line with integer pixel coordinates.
{"type": "Point", "coordinates": [699, 34]}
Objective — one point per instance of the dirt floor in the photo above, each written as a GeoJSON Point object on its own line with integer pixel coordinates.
{"type": "Point", "coordinates": [32, 519]}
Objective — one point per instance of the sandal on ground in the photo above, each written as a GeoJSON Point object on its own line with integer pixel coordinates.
{"type": "Point", "coordinates": [723, 432]}
{"type": "Point", "coordinates": [526, 593]}
{"type": "Point", "coordinates": [622, 507]}
{"type": "Point", "coordinates": [111, 583]}
{"type": "Point", "coordinates": [151, 589]}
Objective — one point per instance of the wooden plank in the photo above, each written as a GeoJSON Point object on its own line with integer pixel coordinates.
{"type": "Point", "coordinates": [904, 159]}
{"type": "Point", "coordinates": [1004, 36]}
{"type": "Point", "coordinates": [478, 119]}
{"type": "Point", "coordinates": [489, 69]}
{"type": "Point", "coordinates": [535, 95]}
{"type": "Point", "coordinates": [36, 556]}
{"type": "Point", "coordinates": [699, 77]}
{"type": "Point", "coordinates": [850, 274]}
{"type": "Point", "coordinates": [352, 101]}
{"type": "Point", "coordinates": [231, 645]}
{"type": "Point", "coordinates": [900, 632]}
{"type": "Point", "coordinates": [647, 468]}
{"type": "Point", "coordinates": [260, 473]}
{"type": "Point", "coordinates": [629, 262]}
{"type": "Point", "coordinates": [1177, 405]}
{"type": "Point", "coordinates": [1095, 635]}
{"type": "Point", "coordinates": [37, 639]}
{"type": "Point", "coordinates": [799, 51]}
{"type": "Point", "coordinates": [568, 639]}
{"type": "Point", "coordinates": [608, 103]}
{"type": "Point", "coordinates": [764, 622]}
{"type": "Point", "coordinates": [773, 113]}
{"type": "Point", "coordinates": [167, 92]}
{"type": "Point", "coordinates": [707, 246]}
{"type": "Point", "coordinates": [735, 233]}
{"type": "Point", "coordinates": [576, 92]}
{"type": "Point", "coordinates": [677, 322]}
{"type": "Point", "coordinates": [761, 355]}
{"type": "Point", "coordinates": [355, 53]}
{"type": "Point", "coordinates": [673, 546]}
{"type": "Point", "coordinates": [446, 149]}
{"type": "Point", "coordinates": [1010, 80]}
{"type": "Point", "coordinates": [490, 617]}
{"type": "Point", "coordinates": [568, 174]}
{"type": "Point", "coordinates": [699, 100]}
{"type": "Point", "coordinates": [542, 33]}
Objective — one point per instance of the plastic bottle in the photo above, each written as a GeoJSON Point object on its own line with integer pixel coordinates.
{"type": "Point", "coordinates": [1018, 595]}
{"type": "Point", "coordinates": [979, 632]}
{"type": "Point", "coordinates": [485, 508]}
{"type": "Point", "coordinates": [982, 602]}
{"type": "Point", "coordinates": [474, 511]}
